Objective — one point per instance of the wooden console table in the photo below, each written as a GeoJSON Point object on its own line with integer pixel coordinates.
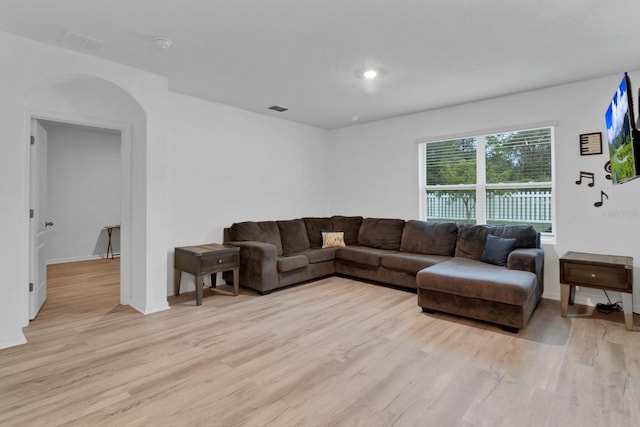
{"type": "Point", "coordinates": [206, 259]}
{"type": "Point", "coordinates": [597, 271]}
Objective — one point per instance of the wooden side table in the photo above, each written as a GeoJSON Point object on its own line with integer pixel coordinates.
{"type": "Point", "coordinates": [607, 272]}
{"type": "Point", "coordinates": [110, 229]}
{"type": "Point", "coordinates": [205, 259]}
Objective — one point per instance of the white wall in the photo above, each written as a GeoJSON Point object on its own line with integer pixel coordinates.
{"type": "Point", "coordinates": [83, 191]}
{"type": "Point", "coordinates": [228, 165]}
{"type": "Point", "coordinates": [195, 166]}
{"type": "Point", "coordinates": [375, 169]}
{"type": "Point", "coordinates": [33, 72]}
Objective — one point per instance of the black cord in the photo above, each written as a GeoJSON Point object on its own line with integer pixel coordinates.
{"type": "Point", "coordinates": [608, 308]}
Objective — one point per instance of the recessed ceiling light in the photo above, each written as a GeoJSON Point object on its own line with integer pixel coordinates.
{"type": "Point", "coordinates": [370, 74]}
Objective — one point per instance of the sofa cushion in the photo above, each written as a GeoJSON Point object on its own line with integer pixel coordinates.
{"type": "Point", "coordinates": [526, 236]}
{"type": "Point", "coordinates": [288, 263]}
{"type": "Point", "coordinates": [315, 227]}
{"type": "Point", "coordinates": [497, 249]}
{"type": "Point", "coordinates": [381, 233]}
{"type": "Point", "coordinates": [474, 279]}
{"type": "Point", "coordinates": [362, 255]}
{"type": "Point", "coordinates": [333, 239]}
{"type": "Point", "coordinates": [349, 224]}
{"type": "Point", "coordinates": [319, 255]}
{"type": "Point", "coordinates": [262, 231]}
{"type": "Point", "coordinates": [410, 263]}
{"type": "Point", "coordinates": [472, 238]}
{"type": "Point", "coordinates": [294, 237]}
{"type": "Point", "coordinates": [431, 238]}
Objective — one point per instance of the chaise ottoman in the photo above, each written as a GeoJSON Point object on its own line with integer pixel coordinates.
{"type": "Point", "coordinates": [475, 289]}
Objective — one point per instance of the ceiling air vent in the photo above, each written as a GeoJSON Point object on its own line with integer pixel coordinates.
{"type": "Point", "coordinates": [278, 108]}
{"type": "Point", "coordinates": [82, 43]}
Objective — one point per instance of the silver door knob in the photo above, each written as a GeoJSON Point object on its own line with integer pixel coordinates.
{"type": "Point", "coordinates": [48, 224]}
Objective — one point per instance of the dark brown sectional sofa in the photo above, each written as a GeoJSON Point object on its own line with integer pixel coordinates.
{"type": "Point", "coordinates": [441, 260]}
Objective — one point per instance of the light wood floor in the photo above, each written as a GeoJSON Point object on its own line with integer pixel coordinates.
{"type": "Point", "coordinates": [335, 352]}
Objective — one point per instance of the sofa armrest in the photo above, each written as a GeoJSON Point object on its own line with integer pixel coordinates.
{"type": "Point", "coordinates": [525, 259]}
{"type": "Point", "coordinates": [258, 265]}
{"type": "Point", "coordinates": [528, 259]}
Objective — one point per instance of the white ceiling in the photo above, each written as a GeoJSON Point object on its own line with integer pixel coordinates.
{"type": "Point", "coordinates": [305, 54]}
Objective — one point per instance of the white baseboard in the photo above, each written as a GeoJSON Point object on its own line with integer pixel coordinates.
{"type": "Point", "coordinates": [12, 341]}
{"type": "Point", "coordinates": [149, 309]}
{"type": "Point", "coordinates": [78, 258]}
{"type": "Point", "coordinates": [588, 296]}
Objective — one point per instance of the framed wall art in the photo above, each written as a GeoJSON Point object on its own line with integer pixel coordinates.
{"type": "Point", "coordinates": [590, 143]}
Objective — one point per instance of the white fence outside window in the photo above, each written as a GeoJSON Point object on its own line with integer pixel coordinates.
{"type": "Point", "coordinates": [518, 207]}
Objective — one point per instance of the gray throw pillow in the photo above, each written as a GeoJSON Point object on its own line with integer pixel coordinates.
{"type": "Point", "coordinates": [497, 249]}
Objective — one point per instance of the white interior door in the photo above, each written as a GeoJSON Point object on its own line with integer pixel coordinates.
{"type": "Point", "coordinates": [38, 222]}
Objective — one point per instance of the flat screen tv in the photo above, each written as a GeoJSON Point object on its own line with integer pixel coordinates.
{"type": "Point", "coordinates": [622, 135]}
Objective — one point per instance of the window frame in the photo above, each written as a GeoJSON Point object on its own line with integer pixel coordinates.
{"type": "Point", "coordinates": [481, 186]}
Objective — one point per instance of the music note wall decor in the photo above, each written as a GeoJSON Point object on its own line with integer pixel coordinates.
{"type": "Point", "coordinates": [590, 143]}
{"type": "Point", "coordinates": [607, 168]}
{"type": "Point", "coordinates": [602, 196]}
{"type": "Point", "coordinates": [591, 176]}
{"type": "Point", "coordinates": [587, 175]}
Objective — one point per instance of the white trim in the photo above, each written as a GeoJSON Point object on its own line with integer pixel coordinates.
{"type": "Point", "coordinates": [422, 181]}
{"type": "Point", "coordinates": [481, 180]}
{"type": "Point", "coordinates": [144, 309]}
{"type": "Point", "coordinates": [80, 258]}
{"type": "Point", "coordinates": [126, 214]}
{"type": "Point", "coordinates": [551, 237]}
{"type": "Point", "coordinates": [518, 185]}
{"type": "Point", "coordinates": [499, 186]}
{"type": "Point", "coordinates": [548, 238]}
{"type": "Point", "coordinates": [13, 341]}
{"type": "Point", "coordinates": [26, 146]}
{"type": "Point", "coordinates": [473, 133]}
{"type": "Point", "coordinates": [438, 187]}
{"type": "Point", "coordinates": [78, 119]}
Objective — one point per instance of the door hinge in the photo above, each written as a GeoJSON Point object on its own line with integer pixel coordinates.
{"type": "Point", "coordinates": [30, 287]}
{"type": "Point", "coordinates": [31, 213]}
{"type": "Point", "coordinates": [33, 140]}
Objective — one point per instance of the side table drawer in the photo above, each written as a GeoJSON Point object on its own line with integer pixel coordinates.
{"type": "Point", "coordinates": [594, 275]}
{"type": "Point", "coordinates": [214, 260]}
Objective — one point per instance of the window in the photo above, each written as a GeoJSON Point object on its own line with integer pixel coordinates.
{"type": "Point", "coordinates": [501, 178]}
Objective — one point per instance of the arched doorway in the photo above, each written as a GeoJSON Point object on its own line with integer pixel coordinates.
{"type": "Point", "coordinates": [91, 101]}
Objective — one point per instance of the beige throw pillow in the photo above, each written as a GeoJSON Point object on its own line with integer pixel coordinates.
{"type": "Point", "coordinates": [332, 239]}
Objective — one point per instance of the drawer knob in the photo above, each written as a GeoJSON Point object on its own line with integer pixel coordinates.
{"type": "Point", "coordinates": [593, 275]}
{"type": "Point", "coordinates": [219, 261]}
